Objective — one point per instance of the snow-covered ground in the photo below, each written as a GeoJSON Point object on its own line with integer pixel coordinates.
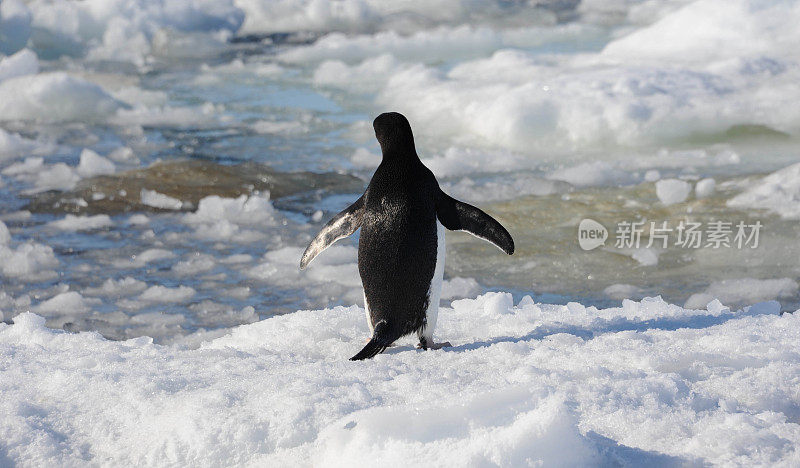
{"type": "Point", "coordinates": [647, 384]}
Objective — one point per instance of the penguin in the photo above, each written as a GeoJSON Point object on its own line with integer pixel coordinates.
{"type": "Point", "coordinates": [401, 251]}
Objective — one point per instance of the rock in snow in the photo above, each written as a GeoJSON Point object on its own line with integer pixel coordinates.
{"type": "Point", "coordinates": [645, 384]}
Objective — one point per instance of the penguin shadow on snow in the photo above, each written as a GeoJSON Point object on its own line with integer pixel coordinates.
{"type": "Point", "coordinates": [603, 326]}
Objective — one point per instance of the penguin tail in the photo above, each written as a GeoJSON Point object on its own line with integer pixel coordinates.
{"type": "Point", "coordinates": [381, 339]}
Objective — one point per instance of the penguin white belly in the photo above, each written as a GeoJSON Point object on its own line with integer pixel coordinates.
{"type": "Point", "coordinates": [366, 314]}
{"type": "Point", "coordinates": [435, 289]}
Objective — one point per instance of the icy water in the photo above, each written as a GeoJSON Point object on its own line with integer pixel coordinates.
{"type": "Point", "coordinates": [161, 174]}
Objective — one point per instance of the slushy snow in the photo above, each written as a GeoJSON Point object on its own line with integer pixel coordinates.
{"type": "Point", "coordinates": [644, 384]}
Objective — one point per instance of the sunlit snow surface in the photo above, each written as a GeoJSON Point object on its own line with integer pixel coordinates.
{"type": "Point", "coordinates": [647, 384]}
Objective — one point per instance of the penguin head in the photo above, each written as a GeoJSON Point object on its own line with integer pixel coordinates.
{"type": "Point", "coordinates": [394, 134]}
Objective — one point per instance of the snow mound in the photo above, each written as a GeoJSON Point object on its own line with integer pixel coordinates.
{"type": "Point", "coordinates": [647, 383]}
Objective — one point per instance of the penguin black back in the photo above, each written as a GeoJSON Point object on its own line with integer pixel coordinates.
{"type": "Point", "coordinates": [398, 244]}
{"type": "Point", "coordinates": [401, 243]}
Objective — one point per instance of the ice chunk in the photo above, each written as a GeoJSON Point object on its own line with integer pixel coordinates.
{"type": "Point", "coordinates": [54, 97]}
{"type": "Point", "coordinates": [705, 188]}
{"type": "Point", "coordinates": [67, 303]}
{"type": "Point", "coordinates": [671, 191]}
{"type": "Point", "coordinates": [82, 223]}
{"type": "Point", "coordinates": [22, 63]}
{"type": "Point", "coordinates": [159, 200]}
{"type": "Point", "coordinates": [165, 294]}
{"type": "Point", "coordinates": [117, 288]}
{"type": "Point", "coordinates": [29, 261]}
{"type": "Point", "coordinates": [92, 164]}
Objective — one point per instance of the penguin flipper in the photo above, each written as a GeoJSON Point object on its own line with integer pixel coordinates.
{"type": "Point", "coordinates": [342, 225]}
{"type": "Point", "coordinates": [459, 216]}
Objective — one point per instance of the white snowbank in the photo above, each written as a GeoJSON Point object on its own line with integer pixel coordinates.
{"type": "Point", "coordinates": [645, 384]}
{"type": "Point", "coordinates": [778, 192]}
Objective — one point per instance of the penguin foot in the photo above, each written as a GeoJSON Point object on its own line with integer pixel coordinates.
{"type": "Point", "coordinates": [432, 345]}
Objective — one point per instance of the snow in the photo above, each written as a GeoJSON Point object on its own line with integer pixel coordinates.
{"type": "Point", "coordinates": [744, 291]}
{"type": "Point", "coordinates": [778, 192]}
{"type": "Point", "coordinates": [647, 383]}
{"type": "Point", "coordinates": [508, 100]}
{"type": "Point", "coordinates": [672, 191]}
